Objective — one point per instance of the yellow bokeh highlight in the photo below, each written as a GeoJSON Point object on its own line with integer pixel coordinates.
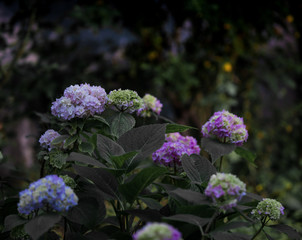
{"type": "Point", "coordinates": [152, 55]}
{"type": "Point", "coordinates": [260, 135]}
{"type": "Point", "coordinates": [289, 18]}
{"type": "Point", "coordinates": [207, 64]}
{"type": "Point", "coordinates": [259, 188]}
{"type": "Point", "coordinates": [227, 67]}
{"type": "Point", "coordinates": [288, 128]}
{"type": "Point", "coordinates": [227, 26]}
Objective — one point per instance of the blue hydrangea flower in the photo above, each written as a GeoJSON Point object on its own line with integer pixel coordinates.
{"type": "Point", "coordinates": [51, 191]}
{"type": "Point", "coordinates": [150, 104]}
{"type": "Point", "coordinates": [225, 190]}
{"type": "Point", "coordinates": [227, 127]}
{"type": "Point", "coordinates": [175, 146]}
{"type": "Point", "coordinates": [268, 208]}
{"type": "Point", "coordinates": [46, 139]}
{"type": "Point", "coordinates": [157, 231]}
{"type": "Point", "coordinates": [80, 101]}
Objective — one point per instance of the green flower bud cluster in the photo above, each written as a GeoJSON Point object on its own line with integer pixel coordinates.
{"type": "Point", "coordinates": [68, 181]}
{"type": "Point", "coordinates": [125, 100]}
{"type": "Point", "coordinates": [268, 208]}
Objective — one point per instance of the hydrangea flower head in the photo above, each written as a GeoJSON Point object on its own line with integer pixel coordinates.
{"type": "Point", "coordinates": [157, 231]}
{"type": "Point", "coordinates": [50, 190]}
{"type": "Point", "coordinates": [80, 101]}
{"type": "Point", "coordinates": [225, 190]}
{"type": "Point", "coordinates": [150, 104]}
{"type": "Point", "coordinates": [68, 181]}
{"type": "Point", "coordinates": [268, 208]}
{"type": "Point", "coordinates": [46, 139]}
{"type": "Point", "coordinates": [227, 127]}
{"type": "Point", "coordinates": [175, 146]}
{"type": "Point", "coordinates": [125, 100]}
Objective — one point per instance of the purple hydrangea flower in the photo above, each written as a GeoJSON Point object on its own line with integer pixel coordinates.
{"type": "Point", "coordinates": [175, 146]}
{"type": "Point", "coordinates": [46, 139]}
{"type": "Point", "coordinates": [225, 190]}
{"type": "Point", "coordinates": [50, 190]}
{"type": "Point", "coordinates": [80, 101]}
{"type": "Point", "coordinates": [227, 127]}
{"type": "Point", "coordinates": [157, 231]}
{"type": "Point", "coordinates": [150, 104]}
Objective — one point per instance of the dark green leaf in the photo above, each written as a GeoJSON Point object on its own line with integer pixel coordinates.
{"type": "Point", "coordinates": [86, 147]}
{"type": "Point", "coordinates": [120, 160]}
{"type": "Point", "coordinates": [198, 168]}
{"type": "Point", "coordinates": [188, 195]}
{"type": "Point", "coordinates": [12, 221]}
{"type": "Point", "coordinates": [171, 128]}
{"type": "Point", "coordinates": [216, 149]}
{"type": "Point", "coordinates": [88, 212]}
{"type": "Point", "coordinates": [232, 225]}
{"type": "Point", "coordinates": [268, 236]}
{"type": "Point", "coordinates": [147, 215]}
{"type": "Point", "coordinates": [59, 140]}
{"type": "Point", "coordinates": [140, 181]}
{"type": "Point", "coordinates": [229, 236]}
{"type": "Point", "coordinates": [145, 140]}
{"type": "Point", "coordinates": [189, 218]}
{"type": "Point", "coordinates": [101, 119]}
{"type": "Point", "coordinates": [122, 123]}
{"type": "Point", "coordinates": [39, 225]}
{"type": "Point", "coordinates": [70, 140]}
{"type": "Point", "coordinates": [151, 203]}
{"type": "Point", "coordinates": [289, 231]}
{"type": "Point", "coordinates": [96, 236]}
{"type": "Point", "coordinates": [104, 180]}
{"type": "Point", "coordinates": [107, 147]}
{"type": "Point", "coordinates": [78, 157]}
{"type": "Point", "coordinates": [246, 154]}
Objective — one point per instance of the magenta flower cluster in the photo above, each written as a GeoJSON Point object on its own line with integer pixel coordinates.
{"type": "Point", "coordinates": [175, 146]}
{"type": "Point", "coordinates": [80, 101]}
{"type": "Point", "coordinates": [51, 191]}
{"type": "Point", "coordinates": [157, 231]}
{"type": "Point", "coordinates": [47, 138]}
{"type": "Point", "coordinates": [227, 127]}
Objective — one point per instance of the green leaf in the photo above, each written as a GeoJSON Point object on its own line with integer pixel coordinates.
{"type": "Point", "coordinates": [101, 119]}
{"type": "Point", "coordinates": [88, 212]}
{"type": "Point", "coordinates": [70, 141]}
{"type": "Point", "coordinates": [145, 140]}
{"type": "Point", "coordinates": [122, 123]}
{"type": "Point", "coordinates": [172, 128]}
{"type": "Point", "coordinates": [122, 159]}
{"type": "Point", "coordinates": [86, 147]}
{"type": "Point", "coordinates": [59, 140]}
{"type": "Point", "coordinates": [246, 154]}
{"type": "Point", "coordinates": [104, 180]}
{"type": "Point", "coordinates": [189, 196]}
{"type": "Point", "coordinates": [12, 221]}
{"type": "Point", "coordinates": [78, 157]}
{"type": "Point", "coordinates": [39, 225]}
{"type": "Point", "coordinates": [140, 181]}
{"type": "Point", "coordinates": [189, 218]}
{"type": "Point", "coordinates": [107, 148]}
{"type": "Point", "coordinates": [229, 236]}
{"type": "Point", "coordinates": [146, 215]}
{"type": "Point", "coordinates": [216, 149]}
{"type": "Point", "coordinates": [289, 231]}
{"type": "Point", "coordinates": [151, 203]}
{"type": "Point", "coordinates": [198, 168]}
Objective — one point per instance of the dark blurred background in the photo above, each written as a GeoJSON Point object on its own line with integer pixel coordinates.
{"type": "Point", "coordinates": [196, 56]}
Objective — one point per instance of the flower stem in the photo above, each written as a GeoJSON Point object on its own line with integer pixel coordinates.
{"type": "Point", "coordinates": [263, 222]}
{"type": "Point", "coordinates": [212, 220]}
{"type": "Point", "coordinates": [220, 164]}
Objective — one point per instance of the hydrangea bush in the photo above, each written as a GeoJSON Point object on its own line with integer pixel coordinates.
{"type": "Point", "coordinates": [121, 178]}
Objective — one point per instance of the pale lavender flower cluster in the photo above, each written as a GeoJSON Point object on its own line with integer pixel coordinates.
{"type": "Point", "coordinates": [150, 104]}
{"type": "Point", "coordinates": [225, 190]}
{"type": "Point", "coordinates": [47, 138]}
{"type": "Point", "coordinates": [80, 101]}
{"type": "Point", "coordinates": [175, 146]}
{"type": "Point", "coordinates": [51, 191]}
{"type": "Point", "coordinates": [227, 127]}
{"type": "Point", "coordinates": [157, 231]}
